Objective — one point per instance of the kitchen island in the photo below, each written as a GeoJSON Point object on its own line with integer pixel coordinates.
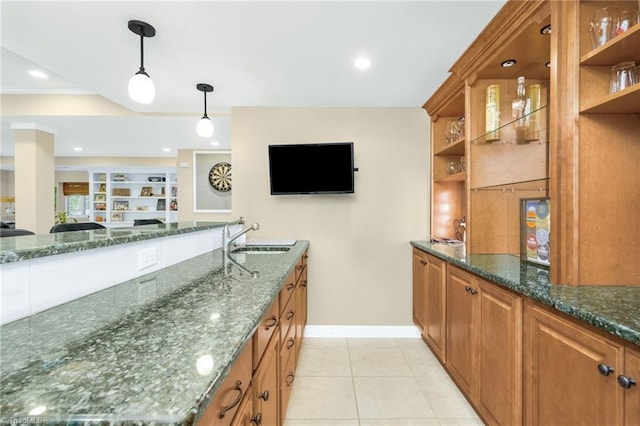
{"type": "Point", "coordinates": [152, 350]}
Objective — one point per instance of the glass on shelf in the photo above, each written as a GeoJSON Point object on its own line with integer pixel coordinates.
{"type": "Point", "coordinates": [603, 26]}
{"type": "Point", "coordinates": [623, 75]}
{"type": "Point", "coordinates": [453, 132]}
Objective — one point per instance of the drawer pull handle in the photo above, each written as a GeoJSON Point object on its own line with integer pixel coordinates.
{"type": "Point", "coordinates": [473, 291]}
{"type": "Point", "coordinates": [290, 315]}
{"type": "Point", "coordinates": [290, 286]}
{"type": "Point", "coordinates": [264, 395]}
{"type": "Point", "coordinates": [238, 388]}
{"type": "Point", "coordinates": [304, 283]}
{"type": "Point", "coordinates": [467, 288]}
{"type": "Point", "coordinates": [626, 382]}
{"type": "Point", "coordinates": [423, 262]}
{"type": "Point", "coordinates": [270, 322]}
{"type": "Point", "coordinates": [290, 378]}
{"type": "Point", "coordinates": [257, 419]}
{"type": "Point", "coordinates": [290, 343]}
{"type": "Point", "coordinates": [299, 267]}
{"type": "Point", "coordinates": [605, 369]}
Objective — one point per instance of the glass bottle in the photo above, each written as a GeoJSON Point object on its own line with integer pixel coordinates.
{"type": "Point", "coordinates": [520, 109]}
{"type": "Point", "coordinates": [492, 113]}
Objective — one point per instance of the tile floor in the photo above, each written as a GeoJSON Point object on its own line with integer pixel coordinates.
{"type": "Point", "coordinates": [374, 382]}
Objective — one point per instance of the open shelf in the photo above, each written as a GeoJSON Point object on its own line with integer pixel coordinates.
{"type": "Point", "coordinates": [507, 131]}
{"type": "Point", "coordinates": [456, 148]}
{"type": "Point", "coordinates": [456, 177]}
{"type": "Point", "coordinates": [625, 101]}
{"type": "Point", "coordinates": [624, 47]}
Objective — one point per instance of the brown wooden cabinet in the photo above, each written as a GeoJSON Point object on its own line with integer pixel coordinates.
{"type": "Point", "coordinates": [632, 394]}
{"type": "Point", "coordinates": [245, 416]}
{"type": "Point", "coordinates": [429, 302]}
{"type": "Point", "coordinates": [225, 403]}
{"type": "Point", "coordinates": [265, 382]}
{"type": "Point", "coordinates": [484, 349]}
{"type": "Point", "coordinates": [570, 372]}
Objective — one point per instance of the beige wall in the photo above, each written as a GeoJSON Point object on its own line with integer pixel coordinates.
{"type": "Point", "coordinates": [360, 256]}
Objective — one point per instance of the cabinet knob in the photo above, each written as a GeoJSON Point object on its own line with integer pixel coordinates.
{"type": "Point", "coordinates": [626, 382]}
{"type": "Point", "coordinates": [290, 286]}
{"type": "Point", "coordinates": [290, 315]}
{"type": "Point", "coordinates": [289, 379]}
{"type": "Point", "coordinates": [264, 395]}
{"type": "Point", "coordinates": [605, 369]}
{"type": "Point", "coordinates": [270, 322]}
{"type": "Point", "coordinates": [304, 283]}
{"type": "Point", "coordinates": [257, 419]}
{"type": "Point", "coordinates": [290, 343]}
{"type": "Point", "coordinates": [423, 262]}
{"type": "Point", "coordinates": [467, 288]}
{"type": "Point", "coordinates": [473, 291]}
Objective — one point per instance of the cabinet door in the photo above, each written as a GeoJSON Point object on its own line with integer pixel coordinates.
{"type": "Point", "coordinates": [462, 347]}
{"type": "Point", "coordinates": [632, 395]}
{"type": "Point", "coordinates": [301, 294]}
{"type": "Point", "coordinates": [562, 376]}
{"type": "Point", "coordinates": [266, 386]}
{"type": "Point", "coordinates": [419, 294]}
{"type": "Point", "coordinates": [435, 305]}
{"type": "Point", "coordinates": [224, 405]}
{"type": "Point", "coordinates": [500, 341]}
{"type": "Point", "coordinates": [244, 416]}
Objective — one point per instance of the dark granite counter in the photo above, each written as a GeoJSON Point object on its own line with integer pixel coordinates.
{"type": "Point", "coordinates": [615, 309]}
{"type": "Point", "coordinates": [152, 350]}
{"type": "Point", "coordinates": [25, 247]}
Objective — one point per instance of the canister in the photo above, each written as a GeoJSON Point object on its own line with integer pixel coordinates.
{"type": "Point", "coordinates": [492, 116]}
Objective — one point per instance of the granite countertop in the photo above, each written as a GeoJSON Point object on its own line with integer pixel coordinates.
{"type": "Point", "coordinates": [615, 309]}
{"type": "Point", "coordinates": [152, 350]}
{"type": "Point", "coordinates": [25, 247]}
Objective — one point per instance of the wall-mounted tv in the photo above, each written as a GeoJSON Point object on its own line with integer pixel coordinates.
{"type": "Point", "coordinates": [315, 168]}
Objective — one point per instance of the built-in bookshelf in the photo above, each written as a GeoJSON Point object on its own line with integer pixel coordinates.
{"type": "Point", "coordinates": [119, 196]}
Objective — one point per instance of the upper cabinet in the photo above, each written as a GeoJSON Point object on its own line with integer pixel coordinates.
{"type": "Point", "coordinates": [577, 144]}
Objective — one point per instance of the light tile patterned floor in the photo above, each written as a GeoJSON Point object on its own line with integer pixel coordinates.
{"type": "Point", "coordinates": [374, 382]}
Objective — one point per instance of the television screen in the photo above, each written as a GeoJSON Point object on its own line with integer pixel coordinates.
{"type": "Point", "coordinates": [320, 168]}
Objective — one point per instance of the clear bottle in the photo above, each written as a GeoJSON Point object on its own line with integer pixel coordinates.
{"type": "Point", "coordinates": [521, 107]}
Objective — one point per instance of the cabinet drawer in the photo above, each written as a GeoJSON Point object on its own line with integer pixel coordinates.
{"type": "Point", "coordinates": [288, 317]}
{"type": "Point", "coordinates": [287, 378]}
{"type": "Point", "coordinates": [226, 401]}
{"type": "Point", "coordinates": [287, 290]}
{"type": "Point", "coordinates": [288, 351]}
{"type": "Point", "coordinates": [267, 327]}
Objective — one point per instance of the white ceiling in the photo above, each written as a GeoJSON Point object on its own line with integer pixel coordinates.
{"type": "Point", "coordinates": [264, 53]}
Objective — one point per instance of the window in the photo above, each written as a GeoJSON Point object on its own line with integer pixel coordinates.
{"type": "Point", "coordinates": [77, 205]}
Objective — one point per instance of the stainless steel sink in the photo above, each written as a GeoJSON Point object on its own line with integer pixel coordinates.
{"type": "Point", "coordinates": [260, 250]}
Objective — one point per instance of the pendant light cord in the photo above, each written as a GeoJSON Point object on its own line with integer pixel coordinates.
{"type": "Point", "coordinates": [205, 105]}
{"type": "Point", "coordinates": [141, 52]}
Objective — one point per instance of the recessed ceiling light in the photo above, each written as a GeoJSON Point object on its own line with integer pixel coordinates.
{"type": "Point", "coordinates": [362, 63]}
{"type": "Point", "coordinates": [77, 148]}
{"type": "Point", "coordinates": [508, 63]}
{"type": "Point", "coordinates": [166, 149]}
{"type": "Point", "coordinates": [546, 30]}
{"type": "Point", "coordinates": [215, 143]}
{"type": "Point", "coordinates": [37, 74]}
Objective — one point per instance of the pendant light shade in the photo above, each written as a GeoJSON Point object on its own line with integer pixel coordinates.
{"type": "Point", "coordinates": [205, 125]}
{"type": "Point", "coordinates": [141, 87]}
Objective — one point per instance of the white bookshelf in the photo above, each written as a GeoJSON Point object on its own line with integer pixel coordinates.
{"type": "Point", "coordinates": [119, 196]}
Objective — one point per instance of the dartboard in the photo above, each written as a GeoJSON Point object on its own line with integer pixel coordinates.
{"type": "Point", "coordinates": [220, 177]}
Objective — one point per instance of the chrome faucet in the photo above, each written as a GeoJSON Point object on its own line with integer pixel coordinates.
{"type": "Point", "coordinates": [228, 239]}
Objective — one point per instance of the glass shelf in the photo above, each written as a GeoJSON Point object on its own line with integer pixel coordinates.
{"type": "Point", "coordinates": [541, 185]}
{"type": "Point", "coordinates": [507, 133]}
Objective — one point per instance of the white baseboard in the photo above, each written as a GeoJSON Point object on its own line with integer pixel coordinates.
{"type": "Point", "coordinates": [364, 331]}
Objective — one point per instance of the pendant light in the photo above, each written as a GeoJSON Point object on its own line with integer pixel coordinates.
{"type": "Point", "coordinates": [141, 88]}
{"type": "Point", "coordinates": [205, 125]}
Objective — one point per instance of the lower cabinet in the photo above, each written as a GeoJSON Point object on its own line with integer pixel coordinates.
{"type": "Point", "coordinates": [521, 362]}
{"type": "Point", "coordinates": [484, 345]}
{"type": "Point", "coordinates": [429, 300]}
{"type": "Point", "coordinates": [572, 373]}
{"type": "Point", "coordinates": [256, 390]}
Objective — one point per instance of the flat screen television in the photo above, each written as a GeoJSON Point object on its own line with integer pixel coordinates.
{"type": "Point", "coordinates": [315, 168]}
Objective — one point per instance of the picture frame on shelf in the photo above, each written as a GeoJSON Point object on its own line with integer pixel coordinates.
{"type": "Point", "coordinates": [142, 208]}
{"type": "Point", "coordinates": [161, 205]}
{"type": "Point", "coordinates": [173, 206]}
{"type": "Point", "coordinates": [535, 230]}
{"type": "Point", "coordinates": [119, 178]}
{"type": "Point", "coordinates": [156, 179]}
{"type": "Point", "coordinates": [116, 217]}
{"type": "Point", "coordinates": [146, 191]}
{"type": "Point", "coordinates": [100, 197]}
{"type": "Point", "coordinates": [100, 206]}
{"type": "Point", "coordinates": [102, 187]}
{"type": "Point", "coordinates": [120, 205]}
{"type": "Point", "coordinates": [121, 192]}
{"type": "Point", "coordinates": [174, 191]}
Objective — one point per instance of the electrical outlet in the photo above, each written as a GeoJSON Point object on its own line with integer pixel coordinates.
{"type": "Point", "coordinates": [146, 258]}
